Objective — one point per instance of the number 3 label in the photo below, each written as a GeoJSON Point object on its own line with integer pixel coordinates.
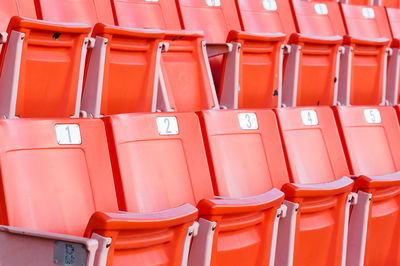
{"type": "Point", "coordinates": [68, 134]}
{"type": "Point", "coordinates": [167, 125]}
{"type": "Point", "coordinates": [309, 117]}
{"type": "Point", "coordinates": [248, 121]}
{"type": "Point", "coordinates": [372, 116]}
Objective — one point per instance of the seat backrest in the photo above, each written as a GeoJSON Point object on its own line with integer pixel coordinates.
{"type": "Point", "coordinates": [83, 11]}
{"type": "Point", "coordinates": [394, 21]}
{"type": "Point", "coordinates": [266, 16]}
{"type": "Point", "coordinates": [312, 144]}
{"type": "Point", "coordinates": [318, 18]}
{"type": "Point", "coordinates": [366, 21]}
{"type": "Point", "coordinates": [372, 138]}
{"type": "Point", "coordinates": [10, 8]}
{"type": "Point", "coordinates": [60, 164]}
{"type": "Point", "coordinates": [244, 150]}
{"type": "Point", "coordinates": [158, 160]}
{"type": "Point", "coordinates": [146, 14]}
{"type": "Point", "coordinates": [49, 62]}
{"type": "Point", "coordinates": [215, 18]}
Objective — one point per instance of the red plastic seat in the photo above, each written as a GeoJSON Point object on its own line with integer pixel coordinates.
{"type": "Point", "coordinates": [62, 204]}
{"type": "Point", "coordinates": [250, 75]}
{"type": "Point", "coordinates": [309, 71]}
{"type": "Point", "coordinates": [371, 137]}
{"type": "Point", "coordinates": [159, 162]}
{"type": "Point", "coordinates": [392, 93]}
{"type": "Point", "coordinates": [42, 68]}
{"type": "Point", "coordinates": [316, 162]}
{"type": "Point", "coordinates": [368, 39]}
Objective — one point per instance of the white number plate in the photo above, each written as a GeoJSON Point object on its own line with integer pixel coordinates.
{"type": "Point", "coordinates": [321, 9]}
{"type": "Point", "coordinates": [68, 134]}
{"type": "Point", "coordinates": [167, 125]}
{"type": "Point", "coordinates": [309, 117]}
{"type": "Point", "coordinates": [270, 5]}
{"type": "Point", "coordinates": [151, 0]}
{"type": "Point", "coordinates": [372, 116]}
{"type": "Point", "coordinates": [213, 2]}
{"type": "Point", "coordinates": [248, 121]}
{"type": "Point", "coordinates": [368, 12]}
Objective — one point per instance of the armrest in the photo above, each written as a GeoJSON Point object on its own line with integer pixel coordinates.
{"type": "Point", "coordinates": [305, 38]}
{"type": "Point", "coordinates": [365, 41]}
{"type": "Point", "coordinates": [148, 220]}
{"type": "Point", "coordinates": [101, 28]}
{"type": "Point", "coordinates": [317, 190]}
{"type": "Point", "coordinates": [260, 202]}
{"type": "Point", "coordinates": [32, 247]}
{"type": "Point", "coordinates": [20, 22]}
{"type": "Point", "coordinates": [214, 49]}
{"type": "Point", "coordinates": [248, 36]}
{"type": "Point", "coordinates": [389, 180]}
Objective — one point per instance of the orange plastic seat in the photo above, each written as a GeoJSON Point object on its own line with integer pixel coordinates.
{"type": "Point", "coordinates": [392, 92]}
{"type": "Point", "coordinates": [318, 169]}
{"type": "Point", "coordinates": [61, 205]}
{"type": "Point", "coordinates": [371, 137]}
{"type": "Point", "coordinates": [82, 11]}
{"type": "Point", "coordinates": [123, 71]}
{"type": "Point", "coordinates": [248, 76]}
{"type": "Point", "coordinates": [159, 162]}
{"type": "Point", "coordinates": [42, 68]}
{"type": "Point", "coordinates": [366, 54]}
{"type": "Point", "coordinates": [319, 80]}
{"type": "Point", "coordinates": [310, 66]}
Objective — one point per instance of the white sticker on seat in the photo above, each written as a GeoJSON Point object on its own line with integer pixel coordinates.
{"type": "Point", "coordinates": [68, 134]}
{"type": "Point", "coordinates": [213, 2]}
{"type": "Point", "coordinates": [372, 116]}
{"type": "Point", "coordinates": [368, 12]}
{"type": "Point", "coordinates": [270, 5]}
{"type": "Point", "coordinates": [151, 0]}
{"type": "Point", "coordinates": [309, 117]}
{"type": "Point", "coordinates": [167, 125]}
{"type": "Point", "coordinates": [321, 9]}
{"type": "Point", "coordinates": [248, 121]}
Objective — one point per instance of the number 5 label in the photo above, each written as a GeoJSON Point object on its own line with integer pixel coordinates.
{"type": "Point", "coordinates": [167, 125]}
{"type": "Point", "coordinates": [68, 134]}
{"type": "Point", "coordinates": [372, 116]}
{"type": "Point", "coordinates": [248, 121]}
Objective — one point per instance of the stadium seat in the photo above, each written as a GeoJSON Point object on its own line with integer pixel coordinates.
{"type": "Point", "coordinates": [371, 138]}
{"type": "Point", "coordinates": [364, 64]}
{"type": "Point", "coordinates": [320, 186]}
{"type": "Point", "coordinates": [249, 76]}
{"type": "Point", "coordinates": [159, 162]}
{"type": "Point", "coordinates": [123, 71]}
{"type": "Point", "coordinates": [42, 67]}
{"type": "Point", "coordinates": [310, 66]}
{"type": "Point", "coordinates": [392, 90]}
{"type": "Point", "coordinates": [61, 206]}
{"type": "Point", "coordinates": [10, 8]}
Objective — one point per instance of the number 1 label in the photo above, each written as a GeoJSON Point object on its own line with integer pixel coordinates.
{"type": "Point", "coordinates": [68, 134]}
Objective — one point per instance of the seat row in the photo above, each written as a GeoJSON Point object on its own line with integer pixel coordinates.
{"type": "Point", "coordinates": [166, 178]}
{"type": "Point", "coordinates": [278, 53]}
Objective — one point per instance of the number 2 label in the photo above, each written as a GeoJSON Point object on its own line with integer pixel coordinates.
{"type": "Point", "coordinates": [167, 125]}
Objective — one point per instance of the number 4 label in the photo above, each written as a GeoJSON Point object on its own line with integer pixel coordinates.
{"type": "Point", "coordinates": [309, 117]}
{"type": "Point", "coordinates": [167, 125]}
{"type": "Point", "coordinates": [248, 121]}
{"type": "Point", "coordinates": [68, 134]}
